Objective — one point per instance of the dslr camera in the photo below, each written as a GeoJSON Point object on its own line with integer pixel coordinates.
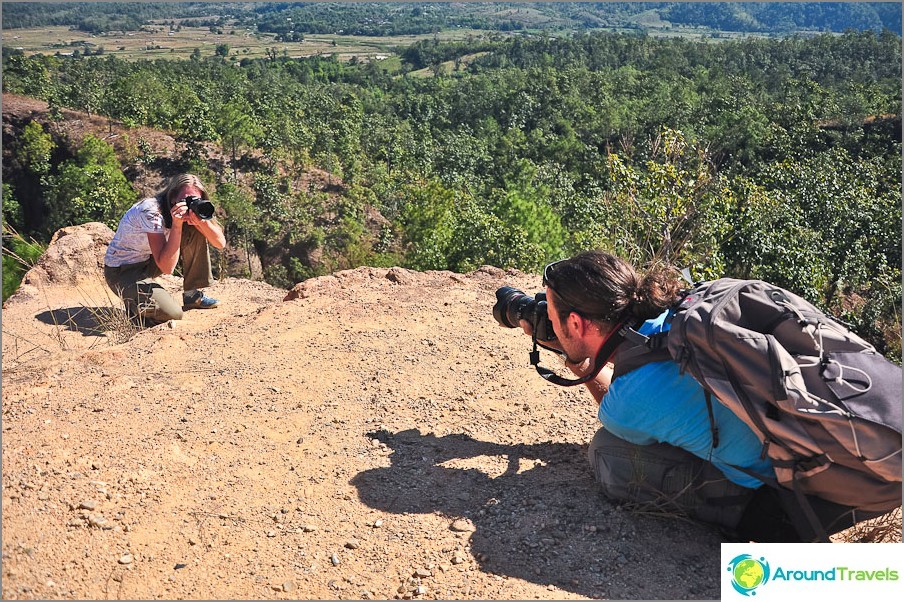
{"type": "Point", "coordinates": [200, 207]}
{"type": "Point", "coordinates": [513, 305]}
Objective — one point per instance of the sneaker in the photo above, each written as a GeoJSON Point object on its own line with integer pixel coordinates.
{"type": "Point", "coordinates": [198, 301]}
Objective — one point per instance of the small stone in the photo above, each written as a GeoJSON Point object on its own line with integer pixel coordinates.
{"type": "Point", "coordinates": [335, 560]}
{"type": "Point", "coordinates": [126, 559]}
{"type": "Point", "coordinates": [463, 525]}
{"type": "Point", "coordinates": [308, 528]}
{"type": "Point", "coordinates": [421, 590]}
{"type": "Point", "coordinates": [378, 523]}
{"type": "Point", "coordinates": [88, 505]}
{"type": "Point", "coordinates": [352, 544]}
{"type": "Point", "coordinates": [192, 541]}
{"type": "Point", "coordinates": [299, 441]}
{"type": "Point", "coordinates": [288, 586]}
{"type": "Point", "coordinates": [271, 533]}
{"type": "Point", "coordinates": [458, 559]}
{"type": "Point", "coordinates": [422, 572]}
{"type": "Point", "coordinates": [97, 520]}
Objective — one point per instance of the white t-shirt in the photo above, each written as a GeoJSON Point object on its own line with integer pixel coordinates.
{"type": "Point", "coordinates": [130, 243]}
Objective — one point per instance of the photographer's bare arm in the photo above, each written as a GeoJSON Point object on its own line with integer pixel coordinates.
{"type": "Point", "coordinates": [209, 228]}
{"type": "Point", "coordinates": [599, 385]}
{"type": "Point", "coordinates": [165, 247]}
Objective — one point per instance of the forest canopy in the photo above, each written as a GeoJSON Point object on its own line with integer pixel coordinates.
{"type": "Point", "coordinates": [394, 18]}
{"type": "Point", "coordinates": [767, 158]}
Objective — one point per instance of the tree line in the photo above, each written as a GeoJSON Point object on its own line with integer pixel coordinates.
{"type": "Point", "coordinates": [774, 159]}
{"type": "Point", "coordinates": [390, 18]}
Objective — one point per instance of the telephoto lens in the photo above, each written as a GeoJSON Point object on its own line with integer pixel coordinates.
{"type": "Point", "coordinates": [513, 305]}
{"type": "Point", "coordinates": [200, 207]}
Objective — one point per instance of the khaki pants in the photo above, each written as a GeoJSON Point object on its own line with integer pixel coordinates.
{"type": "Point", "coordinates": [144, 298]}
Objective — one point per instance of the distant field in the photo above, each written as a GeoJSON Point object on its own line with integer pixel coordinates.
{"type": "Point", "coordinates": [160, 42]}
{"type": "Point", "coordinates": [448, 66]}
{"type": "Point", "coordinates": [180, 44]}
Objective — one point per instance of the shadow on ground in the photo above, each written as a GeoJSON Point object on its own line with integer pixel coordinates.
{"type": "Point", "coordinates": [88, 321]}
{"type": "Point", "coordinates": [543, 519]}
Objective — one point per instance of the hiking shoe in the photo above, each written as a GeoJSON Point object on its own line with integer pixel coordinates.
{"type": "Point", "coordinates": [198, 301]}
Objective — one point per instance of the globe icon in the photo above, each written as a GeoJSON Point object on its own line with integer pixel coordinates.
{"type": "Point", "coordinates": [749, 573]}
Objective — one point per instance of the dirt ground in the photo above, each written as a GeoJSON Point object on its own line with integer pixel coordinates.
{"type": "Point", "coordinates": [377, 437]}
{"type": "Point", "coordinates": [369, 435]}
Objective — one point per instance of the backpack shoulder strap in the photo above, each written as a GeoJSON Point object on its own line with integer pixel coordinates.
{"type": "Point", "coordinates": [640, 350]}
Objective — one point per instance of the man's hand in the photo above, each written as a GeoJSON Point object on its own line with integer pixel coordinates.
{"type": "Point", "coordinates": [529, 331]}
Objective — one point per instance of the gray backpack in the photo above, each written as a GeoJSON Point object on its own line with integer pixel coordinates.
{"type": "Point", "coordinates": [824, 402]}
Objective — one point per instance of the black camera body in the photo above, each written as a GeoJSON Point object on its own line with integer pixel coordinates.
{"type": "Point", "coordinates": [200, 207]}
{"type": "Point", "coordinates": [513, 305]}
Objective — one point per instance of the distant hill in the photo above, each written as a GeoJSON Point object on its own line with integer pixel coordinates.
{"type": "Point", "coordinates": [390, 18]}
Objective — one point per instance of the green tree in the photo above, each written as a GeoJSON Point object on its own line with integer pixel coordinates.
{"type": "Point", "coordinates": [19, 254]}
{"type": "Point", "coordinates": [771, 241]}
{"type": "Point", "coordinates": [89, 187]}
{"type": "Point", "coordinates": [670, 209]}
{"type": "Point", "coordinates": [428, 224]}
{"type": "Point", "coordinates": [35, 148]}
{"type": "Point", "coordinates": [26, 168]}
{"type": "Point", "coordinates": [237, 130]}
{"type": "Point", "coordinates": [524, 205]}
{"type": "Point", "coordinates": [240, 216]}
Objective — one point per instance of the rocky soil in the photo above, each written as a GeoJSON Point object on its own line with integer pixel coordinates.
{"type": "Point", "coordinates": [373, 434]}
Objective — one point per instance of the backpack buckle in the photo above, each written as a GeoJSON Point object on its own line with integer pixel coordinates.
{"type": "Point", "coordinates": [807, 464]}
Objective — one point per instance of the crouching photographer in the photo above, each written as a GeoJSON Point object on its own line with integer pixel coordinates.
{"type": "Point", "coordinates": [666, 444]}
{"type": "Point", "coordinates": [151, 237]}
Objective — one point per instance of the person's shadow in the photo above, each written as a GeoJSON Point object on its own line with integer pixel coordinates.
{"type": "Point", "coordinates": [88, 321]}
{"type": "Point", "coordinates": [541, 518]}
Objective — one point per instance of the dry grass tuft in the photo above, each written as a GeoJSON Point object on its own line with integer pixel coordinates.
{"type": "Point", "coordinates": [883, 529]}
{"type": "Point", "coordinates": [111, 317]}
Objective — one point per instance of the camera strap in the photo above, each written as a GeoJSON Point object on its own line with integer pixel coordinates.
{"type": "Point", "coordinates": [618, 336]}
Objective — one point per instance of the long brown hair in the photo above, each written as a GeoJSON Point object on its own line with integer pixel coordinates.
{"type": "Point", "coordinates": [605, 288]}
{"type": "Point", "coordinates": [171, 187]}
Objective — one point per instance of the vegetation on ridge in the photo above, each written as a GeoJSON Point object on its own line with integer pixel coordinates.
{"type": "Point", "coordinates": [774, 159]}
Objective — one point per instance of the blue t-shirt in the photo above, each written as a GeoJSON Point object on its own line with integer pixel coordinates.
{"type": "Point", "coordinates": [655, 403]}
